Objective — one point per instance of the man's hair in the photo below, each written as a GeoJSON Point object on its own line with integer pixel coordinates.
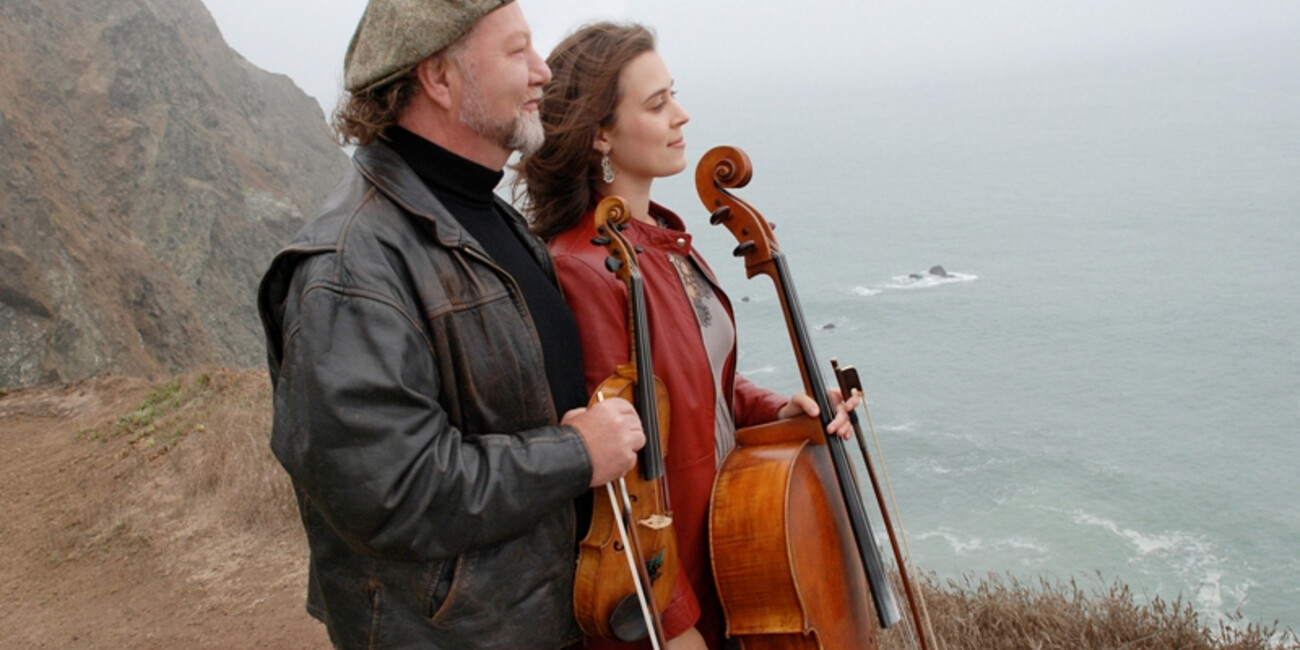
{"type": "Point", "coordinates": [363, 116]}
{"type": "Point", "coordinates": [580, 98]}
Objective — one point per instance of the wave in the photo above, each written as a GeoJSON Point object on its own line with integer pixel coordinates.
{"type": "Point", "coordinates": [907, 426]}
{"type": "Point", "coordinates": [1200, 565]}
{"type": "Point", "coordinates": [763, 370]}
{"type": "Point", "coordinates": [1144, 543]}
{"type": "Point", "coordinates": [960, 544]}
{"type": "Point", "coordinates": [912, 281]}
{"type": "Point", "coordinates": [927, 280]}
{"type": "Point", "coordinates": [964, 544]}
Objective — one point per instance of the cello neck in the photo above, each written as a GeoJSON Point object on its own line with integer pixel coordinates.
{"type": "Point", "coordinates": [813, 382]}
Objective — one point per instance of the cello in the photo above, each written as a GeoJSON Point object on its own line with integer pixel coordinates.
{"type": "Point", "coordinates": [627, 562]}
{"type": "Point", "coordinates": [794, 558]}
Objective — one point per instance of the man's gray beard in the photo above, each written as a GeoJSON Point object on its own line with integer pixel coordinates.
{"type": "Point", "coordinates": [523, 133]}
{"type": "Point", "coordinates": [527, 135]}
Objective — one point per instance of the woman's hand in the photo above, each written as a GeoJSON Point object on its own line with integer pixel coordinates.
{"type": "Point", "coordinates": [801, 403]}
{"type": "Point", "coordinates": [689, 640]}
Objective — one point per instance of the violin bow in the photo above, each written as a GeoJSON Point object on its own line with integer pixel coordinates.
{"type": "Point", "coordinates": [631, 548]}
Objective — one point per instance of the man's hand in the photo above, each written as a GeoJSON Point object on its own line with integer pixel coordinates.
{"type": "Point", "coordinates": [612, 432]}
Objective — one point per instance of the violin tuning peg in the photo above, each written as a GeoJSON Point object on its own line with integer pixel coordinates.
{"type": "Point", "coordinates": [638, 249]}
{"type": "Point", "coordinates": [720, 215]}
{"type": "Point", "coordinates": [621, 226]}
{"type": "Point", "coordinates": [602, 240]}
{"type": "Point", "coordinates": [771, 226]}
{"type": "Point", "coordinates": [613, 264]}
{"type": "Point", "coordinates": [744, 248]}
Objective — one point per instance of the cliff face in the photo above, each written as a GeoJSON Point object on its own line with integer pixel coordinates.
{"type": "Point", "coordinates": [147, 174]}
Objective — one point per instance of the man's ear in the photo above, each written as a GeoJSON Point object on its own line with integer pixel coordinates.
{"type": "Point", "coordinates": [439, 80]}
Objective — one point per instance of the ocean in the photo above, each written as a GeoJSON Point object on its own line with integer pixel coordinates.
{"type": "Point", "coordinates": [1106, 385]}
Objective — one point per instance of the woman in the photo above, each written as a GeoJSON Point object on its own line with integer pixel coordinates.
{"type": "Point", "coordinates": [610, 111]}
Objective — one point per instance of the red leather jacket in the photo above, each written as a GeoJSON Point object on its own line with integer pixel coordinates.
{"type": "Point", "coordinates": [599, 302]}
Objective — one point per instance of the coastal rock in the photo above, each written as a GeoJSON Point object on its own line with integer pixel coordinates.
{"type": "Point", "coordinates": [147, 174]}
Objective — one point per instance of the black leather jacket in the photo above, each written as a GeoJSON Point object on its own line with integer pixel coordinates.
{"type": "Point", "coordinates": [413, 414]}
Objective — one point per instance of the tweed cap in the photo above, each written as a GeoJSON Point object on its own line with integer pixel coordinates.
{"type": "Point", "coordinates": [396, 34]}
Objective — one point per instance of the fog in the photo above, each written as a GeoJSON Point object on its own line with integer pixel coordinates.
{"type": "Point", "coordinates": [781, 44]}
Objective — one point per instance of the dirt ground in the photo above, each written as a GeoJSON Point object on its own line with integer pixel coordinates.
{"type": "Point", "coordinates": [152, 537]}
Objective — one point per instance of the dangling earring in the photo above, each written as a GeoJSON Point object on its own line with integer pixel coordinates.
{"type": "Point", "coordinates": [606, 168]}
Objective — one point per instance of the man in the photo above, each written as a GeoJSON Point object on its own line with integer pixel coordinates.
{"type": "Point", "coordinates": [421, 354]}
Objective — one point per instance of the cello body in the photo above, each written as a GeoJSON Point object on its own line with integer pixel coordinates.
{"type": "Point", "coordinates": [783, 587]}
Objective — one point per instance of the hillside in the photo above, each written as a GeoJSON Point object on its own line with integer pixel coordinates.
{"type": "Point", "coordinates": [147, 174]}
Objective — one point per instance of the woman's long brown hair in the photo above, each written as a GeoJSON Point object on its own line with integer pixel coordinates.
{"type": "Point", "coordinates": [559, 179]}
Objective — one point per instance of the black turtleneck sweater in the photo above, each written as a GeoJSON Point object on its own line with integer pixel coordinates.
{"type": "Point", "coordinates": [466, 189]}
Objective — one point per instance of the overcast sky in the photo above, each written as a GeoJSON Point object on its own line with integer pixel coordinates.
{"type": "Point", "coordinates": [769, 41]}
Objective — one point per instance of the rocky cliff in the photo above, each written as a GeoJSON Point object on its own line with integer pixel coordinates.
{"type": "Point", "coordinates": [147, 174]}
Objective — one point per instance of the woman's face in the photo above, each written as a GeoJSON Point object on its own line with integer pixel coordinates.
{"type": "Point", "coordinates": [646, 140]}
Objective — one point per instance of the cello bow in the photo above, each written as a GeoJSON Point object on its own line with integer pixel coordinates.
{"type": "Point", "coordinates": [847, 377]}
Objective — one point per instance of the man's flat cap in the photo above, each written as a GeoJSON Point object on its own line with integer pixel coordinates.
{"type": "Point", "coordinates": [394, 35]}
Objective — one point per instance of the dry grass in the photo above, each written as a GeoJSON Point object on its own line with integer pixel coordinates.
{"type": "Point", "coordinates": [1006, 612]}
{"type": "Point", "coordinates": [212, 426]}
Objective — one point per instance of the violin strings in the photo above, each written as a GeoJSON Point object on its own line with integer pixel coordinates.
{"type": "Point", "coordinates": [631, 563]}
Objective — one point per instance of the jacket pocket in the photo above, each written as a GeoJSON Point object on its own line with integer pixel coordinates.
{"type": "Point", "coordinates": [442, 577]}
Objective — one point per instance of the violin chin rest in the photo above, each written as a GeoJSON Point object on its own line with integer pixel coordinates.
{"type": "Point", "coordinates": [627, 621]}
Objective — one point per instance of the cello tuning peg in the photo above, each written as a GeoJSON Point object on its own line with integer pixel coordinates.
{"type": "Point", "coordinates": [771, 226]}
{"type": "Point", "coordinates": [720, 215]}
{"type": "Point", "coordinates": [613, 264]}
{"type": "Point", "coordinates": [744, 248]}
{"type": "Point", "coordinates": [602, 240]}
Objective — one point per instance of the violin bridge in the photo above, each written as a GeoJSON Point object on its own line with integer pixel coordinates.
{"type": "Point", "coordinates": [657, 522]}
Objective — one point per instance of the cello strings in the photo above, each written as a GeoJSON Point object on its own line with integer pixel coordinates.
{"type": "Point", "coordinates": [902, 536]}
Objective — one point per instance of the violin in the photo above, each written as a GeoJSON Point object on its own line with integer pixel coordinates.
{"type": "Point", "coordinates": [794, 557]}
{"type": "Point", "coordinates": [627, 562]}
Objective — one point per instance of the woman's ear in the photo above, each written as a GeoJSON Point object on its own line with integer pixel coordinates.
{"type": "Point", "coordinates": [601, 142]}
